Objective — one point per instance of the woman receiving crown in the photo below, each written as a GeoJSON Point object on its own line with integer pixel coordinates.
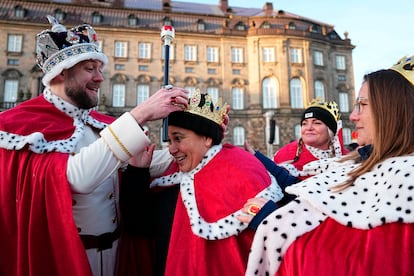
{"type": "Point", "coordinates": [198, 200]}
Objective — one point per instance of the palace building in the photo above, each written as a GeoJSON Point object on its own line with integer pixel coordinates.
{"type": "Point", "coordinates": [266, 63]}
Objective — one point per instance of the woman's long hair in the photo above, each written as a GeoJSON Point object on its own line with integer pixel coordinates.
{"type": "Point", "coordinates": [391, 100]}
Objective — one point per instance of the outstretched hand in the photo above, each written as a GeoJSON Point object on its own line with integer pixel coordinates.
{"type": "Point", "coordinates": [161, 104]}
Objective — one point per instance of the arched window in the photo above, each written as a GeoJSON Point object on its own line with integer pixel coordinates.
{"type": "Point", "coordinates": [238, 136]}
{"type": "Point", "coordinates": [297, 131]}
{"type": "Point", "coordinates": [319, 90]}
{"type": "Point", "coordinates": [296, 97]}
{"type": "Point", "coordinates": [214, 93]}
{"type": "Point", "coordinates": [118, 95]}
{"type": "Point", "coordinates": [237, 96]}
{"type": "Point", "coordinates": [142, 92]}
{"type": "Point", "coordinates": [270, 93]}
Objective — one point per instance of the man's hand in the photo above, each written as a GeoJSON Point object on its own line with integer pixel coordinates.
{"type": "Point", "coordinates": [159, 105]}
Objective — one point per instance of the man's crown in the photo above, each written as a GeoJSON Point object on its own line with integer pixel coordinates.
{"type": "Point", "coordinates": [331, 107]}
{"type": "Point", "coordinates": [405, 66]}
{"type": "Point", "coordinates": [202, 105]}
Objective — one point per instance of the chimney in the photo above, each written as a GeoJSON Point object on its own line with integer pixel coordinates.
{"type": "Point", "coordinates": [224, 5]}
{"type": "Point", "coordinates": [268, 9]}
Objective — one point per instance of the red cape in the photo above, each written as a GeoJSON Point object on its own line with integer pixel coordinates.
{"type": "Point", "coordinates": [221, 187]}
{"type": "Point", "coordinates": [38, 235]}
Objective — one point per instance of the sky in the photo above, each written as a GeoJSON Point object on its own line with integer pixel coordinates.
{"type": "Point", "coordinates": [381, 31]}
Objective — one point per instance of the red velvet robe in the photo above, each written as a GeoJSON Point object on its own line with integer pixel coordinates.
{"type": "Point", "coordinates": [221, 188]}
{"type": "Point", "coordinates": [38, 235]}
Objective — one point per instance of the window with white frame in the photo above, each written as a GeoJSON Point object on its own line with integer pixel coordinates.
{"type": "Point", "coordinates": [11, 88]}
{"type": "Point", "coordinates": [295, 55]}
{"type": "Point", "coordinates": [214, 93]}
{"type": "Point", "coordinates": [144, 50]}
{"type": "Point", "coordinates": [268, 54]}
{"type": "Point", "coordinates": [319, 90]}
{"type": "Point", "coordinates": [276, 141]}
{"type": "Point", "coordinates": [118, 92]}
{"type": "Point", "coordinates": [270, 92]}
{"type": "Point", "coordinates": [340, 62]}
{"type": "Point", "coordinates": [142, 93]}
{"type": "Point", "coordinates": [171, 52]}
{"type": "Point", "coordinates": [296, 98]}
{"type": "Point", "coordinates": [347, 135]}
{"type": "Point", "coordinates": [297, 131]}
{"type": "Point", "coordinates": [237, 98]}
{"type": "Point", "coordinates": [212, 54]}
{"type": "Point", "coordinates": [343, 102]}
{"type": "Point", "coordinates": [14, 43]}
{"type": "Point", "coordinates": [238, 136]}
{"type": "Point", "coordinates": [121, 49]}
{"type": "Point", "coordinates": [190, 89]}
{"type": "Point", "coordinates": [318, 58]}
{"type": "Point", "coordinates": [190, 53]}
{"type": "Point", "coordinates": [237, 55]}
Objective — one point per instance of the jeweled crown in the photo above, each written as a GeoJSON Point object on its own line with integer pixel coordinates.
{"type": "Point", "coordinates": [202, 105]}
{"type": "Point", "coordinates": [405, 66]}
{"type": "Point", "coordinates": [331, 107]}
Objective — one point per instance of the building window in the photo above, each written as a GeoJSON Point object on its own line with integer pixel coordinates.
{"type": "Point", "coordinates": [238, 136]}
{"type": "Point", "coordinates": [189, 69]}
{"type": "Point", "coordinates": [295, 55]}
{"type": "Point", "coordinates": [340, 62]}
{"type": "Point", "coordinates": [14, 43]}
{"type": "Point", "coordinates": [237, 55]}
{"type": "Point", "coordinates": [269, 93]}
{"type": "Point", "coordinates": [240, 26]}
{"type": "Point", "coordinates": [118, 93]}
{"type": "Point", "coordinates": [119, 67]}
{"type": "Point", "coordinates": [121, 49]}
{"type": "Point", "coordinates": [190, 53]}
{"type": "Point", "coordinates": [190, 89]}
{"type": "Point", "coordinates": [12, 61]}
{"type": "Point", "coordinates": [142, 93]}
{"type": "Point", "coordinates": [97, 18]}
{"type": "Point", "coordinates": [276, 141]}
{"type": "Point", "coordinates": [296, 98]}
{"type": "Point", "coordinates": [214, 93]}
{"type": "Point", "coordinates": [11, 87]}
{"type": "Point", "coordinates": [343, 102]}
{"type": "Point", "coordinates": [212, 54]}
{"type": "Point", "coordinates": [236, 71]}
{"type": "Point", "coordinates": [19, 12]}
{"type": "Point", "coordinates": [201, 26]}
{"type": "Point", "coordinates": [297, 131]}
{"type": "Point", "coordinates": [319, 90]}
{"type": "Point", "coordinates": [266, 25]}
{"type": "Point", "coordinates": [268, 54]}
{"type": "Point", "coordinates": [132, 20]}
{"type": "Point", "coordinates": [237, 96]}
{"type": "Point", "coordinates": [144, 50]}
{"type": "Point", "coordinates": [347, 135]}
{"type": "Point", "coordinates": [318, 58]}
{"type": "Point", "coordinates": [171, 52]}
{"type": "Point", "coordinates": [143, 68]}
{"type": "Point", "coordinates": [211, 71]}
{"type": "Point", "coordinates": [341, 78]}
{"type": "Point", "coordinates": [292, 26]}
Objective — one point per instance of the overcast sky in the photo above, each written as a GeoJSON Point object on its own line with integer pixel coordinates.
{"type": "Point", "coordinates": [382, 31]}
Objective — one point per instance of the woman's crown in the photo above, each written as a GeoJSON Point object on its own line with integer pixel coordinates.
{"type": "Point", "coordinates": [331, 107]}
{"type": "Point", "coordinates": [201, 104]}
{"type": "Point", "coordinates": [405, 66]}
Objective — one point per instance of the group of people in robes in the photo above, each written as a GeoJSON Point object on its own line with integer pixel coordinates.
{"type": "Point", "coordinates": [199, 208]}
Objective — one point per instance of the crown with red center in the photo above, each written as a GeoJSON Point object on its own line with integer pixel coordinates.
{"type": "Point", "coordinates": [58, 49]}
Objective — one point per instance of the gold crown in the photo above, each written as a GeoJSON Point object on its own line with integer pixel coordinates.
{"type": "Point", "coordinates": [202, 105]}
{"type": "Point", "coordinates": [405, 66]}
{"type": "Point", "coordinates": [331, 107]}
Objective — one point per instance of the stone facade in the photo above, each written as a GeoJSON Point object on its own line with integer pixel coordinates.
{"type": "Point", "coordinates": [265, 55]}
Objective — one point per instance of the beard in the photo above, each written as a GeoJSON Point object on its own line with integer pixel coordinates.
{"type": "Point", "coordinates": [80, 98]}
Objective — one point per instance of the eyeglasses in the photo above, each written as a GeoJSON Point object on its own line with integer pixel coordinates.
{"type": "Point", "coordinates": [358, 105]}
